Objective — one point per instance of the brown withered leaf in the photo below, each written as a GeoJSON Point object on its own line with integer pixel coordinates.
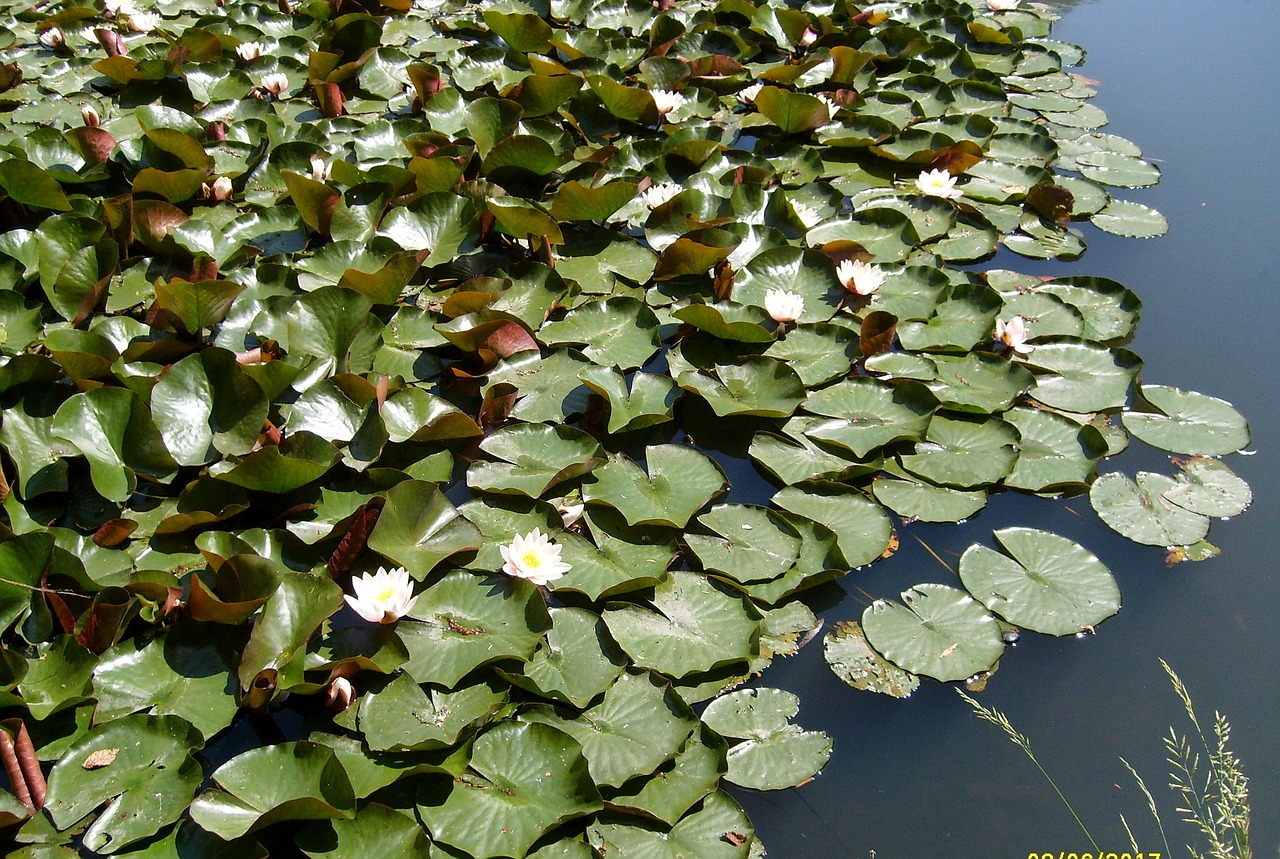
{"type": "Point", "coordinates": [878, 330]}
{"type": "Point", "coordinates": [114, 532]}
{"type": "Point", "coordinates": [100, 758]}
{"type": "Point", "coordinates": [957, 158]}
{"type": "Point", "coordinates": [723, 282]}
{"type": "Point", "coordinates": [352, 544]}
{"type": "Point", "coordinates": [1051, 201]}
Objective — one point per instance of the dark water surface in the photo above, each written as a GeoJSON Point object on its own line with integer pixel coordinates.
{"type": "Point", "coordinates": [1195, 85]}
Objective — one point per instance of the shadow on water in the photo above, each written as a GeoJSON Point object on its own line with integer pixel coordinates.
{"type": "Point", "coordinates": [1190, 84]}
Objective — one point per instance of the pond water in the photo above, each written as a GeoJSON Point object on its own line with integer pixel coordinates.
{"type": "Point", "coordinates": [1193, 84]}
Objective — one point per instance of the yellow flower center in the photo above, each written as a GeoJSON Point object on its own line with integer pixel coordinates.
{"type": "Point", "coordinates": [385, 595]}
{"type": "Point", "coordinates": [531, 559]}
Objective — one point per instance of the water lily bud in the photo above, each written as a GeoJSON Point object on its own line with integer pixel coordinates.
{"type": "Point", "coordinates": [1014, 335]}
{"type": "Point", "coordinates": [748, 95]}
{"type": "Point", "coordinates": [53, 38]}
{"type": "Point", "coordinates": [938, 183]}
{"type": "Point", "coordinates": [667, 101]}
{"type": "Point", "coordinates": [382, 597]}
{"type": "Point", "coordinates": [783, 306]}
{"type": "Point", "coordinates": [275, 83]}
{"type": "Point", "coordinates": [90, 116]}
{"type": "Point", "coordinates": [221, 189]}
{"type": "Point", "coordinates": [320, 168]}
{"type": "Point", "coordinates": [808, 37]}
{"type": "Point", "coordinates": [570, 509]}
{"type": "Point", "coordinates": [339, 694]}
{"type": "Point", "coordinates": [859, 277]}
{"type": "Point", "coordinates": [250, 50]}
{"type": "Point", "coordinates": [1002, 5]}
{"type": "Point", "coordinates": [533, 557]}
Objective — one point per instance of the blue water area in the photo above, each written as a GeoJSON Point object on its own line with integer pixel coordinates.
{"type": "Point", "coordinates": [1194, 83]}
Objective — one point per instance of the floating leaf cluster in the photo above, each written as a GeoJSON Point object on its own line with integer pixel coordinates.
{"type": "Point", "coordinates": [294, 292]}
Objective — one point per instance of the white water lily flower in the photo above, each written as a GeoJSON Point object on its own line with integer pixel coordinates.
{"type": "Point", "coordinates": [533, 557]}
{"type": "Point", "coordinates": [938, 183]}
{"type": "Point", "coordinates": [860, 277]}
{"type": "Point", "coordinates": [144, 22]}
{"type": "Point", "coordinates": [382, 597]}
{"type": "Point", "coordinates": [1014, 335]}
{"type": "Point", "coordinates": [121, 8]}
{"type": "Point", "coordinates": [90, 116]}
{"type": "Point", "coordinates": [1002, 5]}
{"type": "Point", "coordinates": [666, 100]}
{"type": "Point", "coordinates": [275, 83]}
{"type": "Point", "coordinates": [250, 50]}
{"type": "Point", "coordinates": [808, 215]}
{"type": "Point", "coordinates": [655, 195]}
{"type": "Point", "coordinates": [53, 38]}
{"type": "Point", "coordinates": [783, 306]}
{"type": "Point", "coordinates": [320, 168]}
{"type": "Point", "coordinates": [808, 37]}
{"type": "Point", "coordinates": [748, 95]}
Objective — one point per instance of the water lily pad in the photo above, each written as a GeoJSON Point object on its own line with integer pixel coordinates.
{"type": "Point", "coordinates": [506, 800]}
{"type": "Point", "coordinates": [680, 481]}
{"type": "Point", "coordinates": [940, 632]}
{"type": "Point", "coordinates": [1083, 377]}
{"type": "Point", "coordinates": [622, 332]}
{"type": "Point", "coordinates": [1047, 583]}
{"type": "Point", "coordinates": [862, 528]}
{"type": "Point", "coordinates": [419, 528]}
{"type": "Point", "coordinates": [638, 725]}
{"type": "Point", "coordinates": [773, 754]}
{"type": "Point", "coordinates": [677, 786]}
{"type": "Point", "coordinates": [855, 662]}
{"type": "Point", "coordinates": [464, 621]}
{"type": "Point", "coordinates": [403, 715]}
{"type": "Point", "coordinates": [717, 830]}
{"type": "Point", "coordinates": [1208, 487]}
{"type": "Point", "coordinates": [752, 543]}
{"type": "Point", "coordinates": [964, 454]}
{"type": "Point", "coordinates": [624, 558]}
{"type": "Point", "coordinates": [1054, 452]}
{"type": "Point", "coordinates": [1123, 218]}
{"type": "Point", "coordinates": [912, 499]}
{"type": "Point", "coordinates": [376, 829]}
{"type": "Point", "coordinates": [870, 414]}
{"type": "Point", "coordinates": [288, 781]}
{"type": "Point", "coordinates": [696, 627]}
{"type": "Point", "coordinates": [757, 385]}
{"type": "Point", "coordinates": [577, 661]}
{"type": "Point", "coordinates": [1139, 511]}
{"type": "Point", "coordinates": [148, 778]}
{"type": "Point", "coordinates": [1188, 422]}
{"type": "Point", "coordinates": [537, 457]}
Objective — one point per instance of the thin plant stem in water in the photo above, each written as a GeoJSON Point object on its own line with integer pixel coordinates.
{"type": "Point", "coordinates": [1001, 721]}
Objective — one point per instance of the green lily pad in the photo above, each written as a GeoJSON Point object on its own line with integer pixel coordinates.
{"type": "Point", "coordinates": [1188, 422]}
{"type": "Point", "coordinates": [537, 457]}
{"type": "Point", "coordinates": [506, 800]}
{"type": "Point", "coordinates": [1083, 377]}
{"type": "Point", "coordinates": [1208, 487]}
{"type": "Point", "coordinates": [717, 830]}
{"type": "Point", "coordinates": [1046, 583]}
{"type": "Point", "coordinates": [940, 632]}
{"type": "Point", "coordinates": [142, 767]}
{"type": "Point", "coordinates": [752, 544]}
{"type": "Point", "coordinates": [680, 481]}
{"type": "Point", "coordinates": [964, 453]}
{"type": "Point", "coordinates": [773, 754]}
{"type": "Point", "coordinates": [861, 526]}
{"type": "Point", "coordinates": [1139, 511]}
{"type": "Point", "coordinates": [638, 725]}
{"type": "Point", "coordinates": [914, 500]}
{"type": "Point", "coordinates": [696, 627]}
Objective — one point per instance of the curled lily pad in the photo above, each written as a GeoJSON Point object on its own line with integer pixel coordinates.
{"type": "Point", "coordinates": [1047, 583]}
{"type": "Point", "coordinates": [855, 662]}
